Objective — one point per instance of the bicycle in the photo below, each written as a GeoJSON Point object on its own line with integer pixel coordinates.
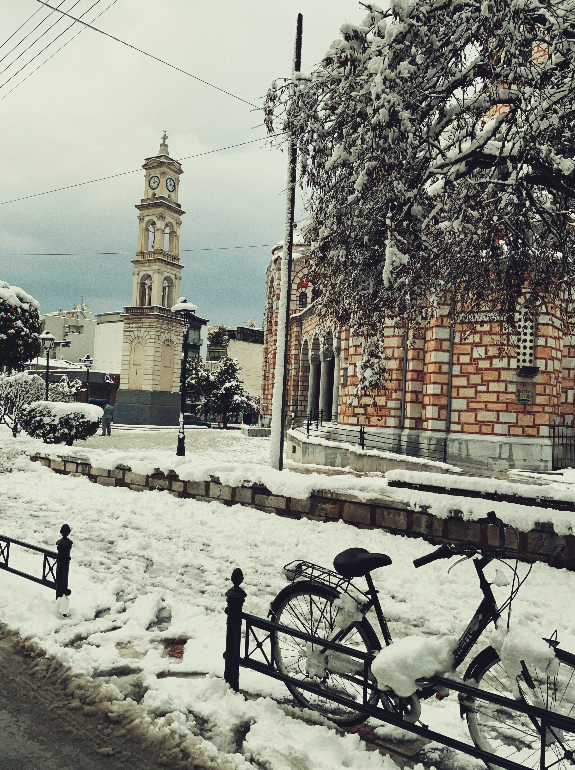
{"type": "Point", "coordinates": [328, 605]}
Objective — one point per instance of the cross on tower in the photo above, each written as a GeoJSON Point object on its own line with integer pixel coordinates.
{"type": "Point", "coordinates": [164, 137]}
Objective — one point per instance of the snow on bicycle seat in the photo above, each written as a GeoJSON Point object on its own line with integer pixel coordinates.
{"type": "Point", "coordinates": [356, 562]}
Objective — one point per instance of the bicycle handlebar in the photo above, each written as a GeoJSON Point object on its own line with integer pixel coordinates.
{"type": "Point", "coordinates": [447, 550]}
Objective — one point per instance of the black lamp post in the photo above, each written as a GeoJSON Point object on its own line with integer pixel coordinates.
{"type": "Point", "coordinates": [48, 343]}
{"type": "Point", "coordinates": [186, 312]}
{"type": "Point", "coordinates": [88, 362]}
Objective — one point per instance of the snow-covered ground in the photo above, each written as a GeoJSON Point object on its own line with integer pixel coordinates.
{"type": "Point", "coordinates": [148, 567]}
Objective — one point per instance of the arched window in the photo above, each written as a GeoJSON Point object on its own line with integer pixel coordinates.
{"type": "Point", "coordinates": [303, 299]}
{"type": "Point", "coordinates": [167, 293]}
{"type": "Point", "coordinates": [145, 298]}
{"type": "Point", "coordinates": [151, 235]}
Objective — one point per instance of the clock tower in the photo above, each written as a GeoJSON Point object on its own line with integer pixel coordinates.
{"type": "Point", "coordinates": [152, 344]}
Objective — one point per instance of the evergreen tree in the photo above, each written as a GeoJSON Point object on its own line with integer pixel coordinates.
{"type": "Point", "coordinates": [197, 384]}
{"type": "Point", "coordinates": [19, 327]}
{"type": "Point", "coordinates": [227, 396]}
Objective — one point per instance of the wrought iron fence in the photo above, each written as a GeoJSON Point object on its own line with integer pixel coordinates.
{"type": "Point", "coordinates": [433, 448]}
{"type": "Point", "coordinates": [55, 566]}
{"type": "Point", "coordinates": [563, 437]}
{"type": "Point", "coordinates": [260, 632]}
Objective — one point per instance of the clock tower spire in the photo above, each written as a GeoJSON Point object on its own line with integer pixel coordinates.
{"type": "Point", "coordinates": [152, 344]}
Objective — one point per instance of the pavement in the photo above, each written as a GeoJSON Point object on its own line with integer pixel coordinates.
{"type": "Point", "coordinates": [38, 730]}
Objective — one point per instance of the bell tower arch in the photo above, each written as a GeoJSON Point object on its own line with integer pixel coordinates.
{"type": "Point", "coordinates": [152, 345]}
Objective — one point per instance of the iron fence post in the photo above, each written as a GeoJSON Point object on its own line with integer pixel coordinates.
{"type": "Point", "coordinates": [235, 601]}
{"type": "Point", "coordinates": [308, 423]}
{"type": "Point", "coordinates": [64, 546]}
{"type": "Point", "coordinates": [362, 436]}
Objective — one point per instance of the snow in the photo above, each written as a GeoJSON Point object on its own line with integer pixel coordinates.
{"type": "Point", "coordinates": [147, 567]}
{"type": "Point", "coordinates": [399, 665]}
{"type": "Point", "coordinates": [519, 643]}
{"type": "Point", "coordinates": [16, 296]}
{"type": "Point", "coordinates": [183, 304]}
{"type": "Point", "coordinates": [62, 408]}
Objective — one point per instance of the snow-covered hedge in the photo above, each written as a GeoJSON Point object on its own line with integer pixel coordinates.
{"type": "Point", "coordinates": [56, 422]}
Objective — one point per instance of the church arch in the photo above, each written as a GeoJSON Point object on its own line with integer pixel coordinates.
{"type": "Point", "coordinates": [168, 292]}
{"type": "Point", "coordinates": [167, 366]}
{"type": "Point", "coordinates": [145, 291]}
{"type": "Point", "coordinates": [136, 372]}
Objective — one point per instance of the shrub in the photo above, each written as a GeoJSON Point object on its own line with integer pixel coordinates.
{"type": "Point", "coordinates": [16, 392]}
{"type": "Point", "coordinates": [55, 422]}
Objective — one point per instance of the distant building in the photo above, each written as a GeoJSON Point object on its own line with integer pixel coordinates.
{"type": "Point", "coordinates": [247, 345]}
{"type": "Point", "coordinates": [76, 326]}
{"type": "Point", "coordinates": [108, 342]}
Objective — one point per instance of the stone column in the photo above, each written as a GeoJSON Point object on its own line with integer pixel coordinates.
{"type": "Point", "coordinates": [335, 396]}
{"type": "Point", "coordinates": [323, 384]}
{"type": "Point", "coordinates": [312, 389]}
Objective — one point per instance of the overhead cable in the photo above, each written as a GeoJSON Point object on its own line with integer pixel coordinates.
{"type": "Point", "coordinates": [120, 253]}
{"type": "Point", "coordinates": [133, 47]}
{"type": "Point", "coordinates": [43, 49]}
{"type": "Point", "coordinates": [23, 25]}
{"type": "Point", "coordinates": [55, 52]}
{"type": "Point", "coordinates": [123, 173]}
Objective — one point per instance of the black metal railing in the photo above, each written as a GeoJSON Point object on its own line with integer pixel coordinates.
{"type": "Point", "coordinates": [255, 644]}
{"type": "Point", "coordinates": [431, 448]}
{"type": "Point", "coordinates": [563, 450]}
{"type": "Point", "coordinates": [55, 566]}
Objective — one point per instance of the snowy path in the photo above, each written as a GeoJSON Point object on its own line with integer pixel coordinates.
{"type": "Point", "coordinates": [148, 566]}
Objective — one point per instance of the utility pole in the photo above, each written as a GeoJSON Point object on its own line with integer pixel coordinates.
{"type": "Point", "coordinates": [280, 381]}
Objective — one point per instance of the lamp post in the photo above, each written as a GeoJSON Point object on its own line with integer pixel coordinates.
{"type": "Point", "coordinates": [88, 362]}
{"type": "Point", "coordinates": [48, 342]}
{"type": "Point", "coordinates": [186, 312]}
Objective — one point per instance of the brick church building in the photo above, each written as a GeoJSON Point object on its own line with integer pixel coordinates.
{"type": "Point", "coordinates": [450, 397]}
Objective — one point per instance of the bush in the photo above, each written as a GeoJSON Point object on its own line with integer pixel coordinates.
{"type": "Point", "coordinates": [16, 392]}
{"type": "Point", "coordinates": [19, 327]}
{"type": "Point", "coordinates": [55, 422]}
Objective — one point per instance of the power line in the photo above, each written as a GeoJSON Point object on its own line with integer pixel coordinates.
{"type": "Point", "coordinates": [123, 173]}
{"type": "Point", "coordinates": [28, 33]}
{"type": "Point", "coordinates": [133, 47]}
{"type": "Point", "coordinates": [120, 253]}
{"type": "Point", "coordinates": [58, 20]}
{"type": "Point", "coordinates": [23, 25]}
{"type": "Point", "coordinates": [55, 52]}
{"type": "Point", "coordinates": [45, 47]}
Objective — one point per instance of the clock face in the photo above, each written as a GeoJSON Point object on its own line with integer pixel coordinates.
{"type": "Point", "coordinates": [154, 182]}
{"type": "Point", "coordinates": [170, 184]}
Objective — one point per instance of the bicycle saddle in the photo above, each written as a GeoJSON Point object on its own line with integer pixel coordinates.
{"type": "Point", "coordinates": [357, 562]}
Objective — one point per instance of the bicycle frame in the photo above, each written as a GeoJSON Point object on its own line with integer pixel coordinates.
{"type": "Point", "coordinates": [486, 613]}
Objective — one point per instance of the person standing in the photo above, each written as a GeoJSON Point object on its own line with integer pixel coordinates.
{"type": "Point", "coordinates": [107, 418]}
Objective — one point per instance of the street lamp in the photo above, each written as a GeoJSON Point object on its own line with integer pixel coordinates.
{"type": "Point", "coordinates": [48, 342]}
{"type": "Point", "coordinates": [186, 313]}
{"type": "Point", "coordinates": [88, 362]}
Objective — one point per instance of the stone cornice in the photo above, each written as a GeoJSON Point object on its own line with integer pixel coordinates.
{"type": "Point", "coordinates": [160, 202]}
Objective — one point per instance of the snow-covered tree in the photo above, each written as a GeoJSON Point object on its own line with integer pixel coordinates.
{"type": "Point", "coordinates": [16, 392]}
{"type": "Point", "coordinates": [437, 145]}
{"type": "Point", "coordinates": [19, 327]}
{"type": "Point", "coordinates": [226, 395]}
{"type": "Point", "coordinates": [197, 384]}
{"type": "Point", "coordinates": [64, 390]}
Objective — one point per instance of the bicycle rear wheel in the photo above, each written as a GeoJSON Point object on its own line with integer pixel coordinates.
{"type": "Point", "coordinates": [510, 734]}
{"type": "Point", "coordinates": [309, 608]}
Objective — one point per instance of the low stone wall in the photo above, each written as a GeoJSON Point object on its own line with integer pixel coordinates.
{"type": "Point", "coordinates": [540, 544]}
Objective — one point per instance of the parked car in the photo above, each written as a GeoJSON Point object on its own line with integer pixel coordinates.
{"type": "Point", "coordinates": [191, 419]}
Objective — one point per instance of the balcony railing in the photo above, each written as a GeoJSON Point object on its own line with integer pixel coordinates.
{"type": "Point", "coordinates": [149, 310]}
{"type": "Point", "coordinates": [159, 255]}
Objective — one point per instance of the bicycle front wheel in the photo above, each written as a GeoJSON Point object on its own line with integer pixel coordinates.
{"type": "Point", "coordinates": [510, 734]}
{"type": "Point", "coordinates": [310, 608]}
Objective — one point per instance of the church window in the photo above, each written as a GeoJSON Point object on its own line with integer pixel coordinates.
{"type": "Point", "coordinates": [151, 235]}
{"type": "Point", "coordinates": [167, 291]}
{"type": "Point", "coordinates": [145, 298]}
{"type": "Point", "coordinates": [303, 299]}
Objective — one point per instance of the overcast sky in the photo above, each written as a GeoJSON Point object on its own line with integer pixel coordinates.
{"type": "Point", "coordinates": [98, 108]}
